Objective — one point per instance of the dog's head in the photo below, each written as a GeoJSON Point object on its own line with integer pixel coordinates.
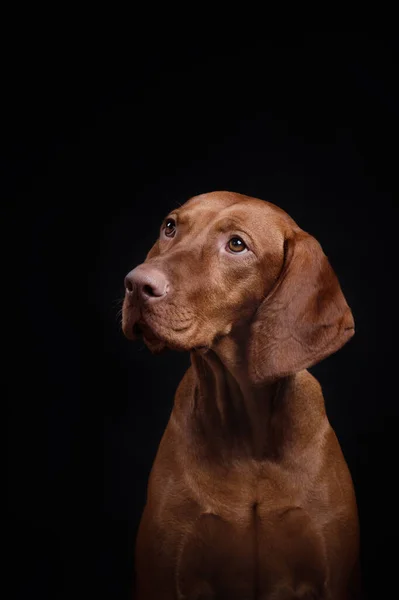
{"type": "Point", "coordinates": [226, 262]}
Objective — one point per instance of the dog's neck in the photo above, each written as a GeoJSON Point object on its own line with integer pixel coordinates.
{"type": "Point", "coordinates": [229, 417]}
{"type": "Point", "coordinates": [230, 414]}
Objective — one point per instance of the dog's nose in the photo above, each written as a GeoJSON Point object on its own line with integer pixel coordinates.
{"type": "Point", "coordinates": [148, 281]}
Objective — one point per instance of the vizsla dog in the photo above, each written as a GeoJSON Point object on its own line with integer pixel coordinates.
{"type": "Point", "coordinates": [250, 497]}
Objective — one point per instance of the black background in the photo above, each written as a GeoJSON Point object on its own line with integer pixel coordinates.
{"type": "Point", "coordinates": [99, 144]}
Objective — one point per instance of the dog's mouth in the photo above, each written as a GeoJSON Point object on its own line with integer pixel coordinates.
{"type": "Point", "coordinates": [137, 331]}
{"type": "Point", "coordinates": [158, 333]}
{"type": "Point", "coordinates": [142, 331]}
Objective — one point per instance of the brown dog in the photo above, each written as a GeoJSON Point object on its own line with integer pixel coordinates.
{"type": "Point", "coordinates": [249, 496]}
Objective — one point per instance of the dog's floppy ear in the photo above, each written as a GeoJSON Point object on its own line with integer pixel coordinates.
{"type": "Point", "coordinates": [304, 318]}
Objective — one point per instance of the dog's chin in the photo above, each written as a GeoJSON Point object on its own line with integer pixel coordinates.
{"type": "Point", "coordinates": [154, 345]}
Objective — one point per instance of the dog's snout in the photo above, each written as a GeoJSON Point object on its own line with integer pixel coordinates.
{"type": "Point", "coordinates": [148, 281]}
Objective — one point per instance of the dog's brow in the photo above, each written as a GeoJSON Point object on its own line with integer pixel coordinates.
{"type": "Point", "coordinates": [228, 223]}
{"type": "Point", "coordinates": [173, 214]}
{"type": "Point", "coordinates": [182, 218]}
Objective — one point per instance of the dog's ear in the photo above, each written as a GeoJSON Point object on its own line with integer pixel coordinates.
{"type": "Point", "coordinates": [304, 318]}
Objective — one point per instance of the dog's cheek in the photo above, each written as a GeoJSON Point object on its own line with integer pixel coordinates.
{"type": "Point", "coordinates": [237, 289]}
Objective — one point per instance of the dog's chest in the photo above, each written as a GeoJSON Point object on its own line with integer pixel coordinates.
{"type": "Point", "coordinates": [275, 556]}
{"type": "Point", "coordinates": [242, 541]}
{"type": "Point", "coordinates": [231, 492]}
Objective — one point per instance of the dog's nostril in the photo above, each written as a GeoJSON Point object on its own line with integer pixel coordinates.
{"type": "Point", "coordinates": [148, 290]}
{"type": "Point", "coordinates": [128, 285]}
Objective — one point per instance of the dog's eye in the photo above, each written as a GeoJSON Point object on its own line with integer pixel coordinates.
{"type": "Point", "coordinates": [170, 227]}
{"type": "Point", "coordinates": [236, 245]}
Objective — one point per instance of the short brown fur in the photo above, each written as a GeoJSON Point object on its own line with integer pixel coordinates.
{"type": "Point", "coordinates": [249, 496]}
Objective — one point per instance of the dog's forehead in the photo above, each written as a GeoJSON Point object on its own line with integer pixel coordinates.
{"type": "Point", "coordinates": [258, 216]}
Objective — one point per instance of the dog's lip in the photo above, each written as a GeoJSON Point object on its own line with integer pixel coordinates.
{"type": "Point", "coordinates": [142, 329]}
{"type": "Point", "coordinates": [183, 328]}
{"type": "Point", "coordinates": [151, 332]}
{"type": "Point", "coordinates": [158, 329]}
{"type": "Point", "coordinates": [137, 330]}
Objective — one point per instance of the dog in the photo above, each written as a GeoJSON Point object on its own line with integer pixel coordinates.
{"type": "Point", "coordinates": [249, 496]}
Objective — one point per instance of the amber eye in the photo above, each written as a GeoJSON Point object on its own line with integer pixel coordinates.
{"type": "Point", "coordinates": [170, 227]}
{"type": "Point", "coordinates": [236, 245]}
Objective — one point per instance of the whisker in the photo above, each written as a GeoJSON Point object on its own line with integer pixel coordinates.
{"type": "Point", "coordinates": [117, 302]}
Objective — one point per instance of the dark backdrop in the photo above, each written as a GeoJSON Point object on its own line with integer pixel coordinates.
{"type": "Point", "coordinates": [99, 145]}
